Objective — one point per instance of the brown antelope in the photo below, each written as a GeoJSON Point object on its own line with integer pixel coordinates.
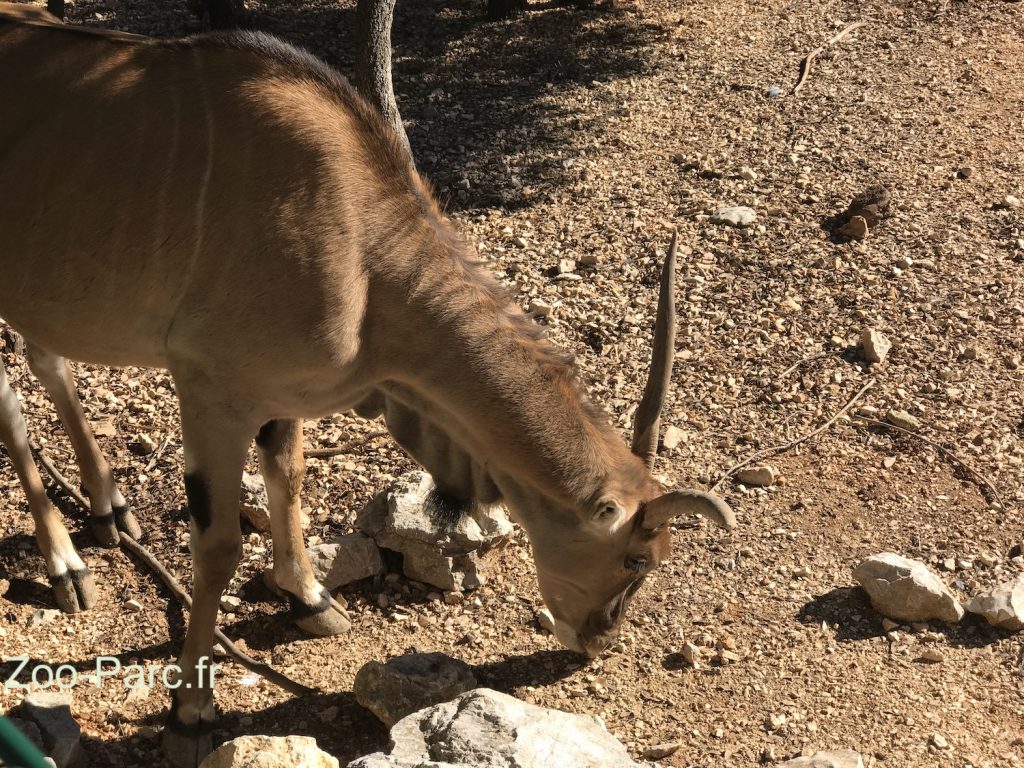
{"type": "Point", "coordinates": [226, 207]}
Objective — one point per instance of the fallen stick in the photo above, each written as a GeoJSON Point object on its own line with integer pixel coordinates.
{"type": "Point", "coordinates": [263, 670]}
{"type": "Point", "coordinates": [805, 65]}
{"type": "Point", "coordinates": [978, 476]}
{"type": "Point", "coordinates": [327, 453]}
{"type": "Point", "coordinates": [801, 362]}
{"type": "Point", "coordinates": [776, 449]}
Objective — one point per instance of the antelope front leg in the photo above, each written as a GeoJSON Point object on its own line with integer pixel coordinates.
{"type": "Point", "coordinates": [215, 447]}
{"type": "Point", "coordinates": [312, 607]}
{"type": "Point", "coordinates": [109, 511]}
{"type": "Point", "coordinates": [72, 583]}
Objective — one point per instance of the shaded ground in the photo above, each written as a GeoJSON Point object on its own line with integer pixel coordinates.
{"type": "Point", "coordinates": [590, 133]}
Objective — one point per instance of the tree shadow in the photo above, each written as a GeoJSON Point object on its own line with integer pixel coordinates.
{"type": "Point", "coordinates": [475, 94]}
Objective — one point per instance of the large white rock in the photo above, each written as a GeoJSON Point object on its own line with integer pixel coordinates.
{"type": "Point", "coordinates": [845, 758]}
{"type": "Point", "coordinates": [436, 549]}
{"type": "Point", "coordinates": [1002, 606]}
{"type": "Point", "coordinates": [905, 590]}
{"type": "Point", "coordinates": [408, 683]}
{"type": "Point", "coordinates": [270, 752]}
{"type": "Point", "coordinates": [487, 729]}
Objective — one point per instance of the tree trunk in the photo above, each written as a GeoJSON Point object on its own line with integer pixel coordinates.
{"type": "Point", "coordinates": [373, 62]}
{"type": "Point", "coordinates": [502, 9]}
{"type": "Point", "coordinates": [56, 7]}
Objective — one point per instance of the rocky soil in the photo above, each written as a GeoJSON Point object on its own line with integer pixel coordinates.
{"type": "Point", "coordinates": [567, 143]}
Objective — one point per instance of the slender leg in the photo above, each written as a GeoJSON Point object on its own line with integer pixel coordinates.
{"type": "Point", "coordinates": [216, 442]}
{"type": "Point", "coordinates": [110, 512]}
{"type": "Point", "coordinates": [72, 583]}
{"type": "Point", "coordinates": [312, 607]}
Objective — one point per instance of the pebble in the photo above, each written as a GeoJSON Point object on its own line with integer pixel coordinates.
{"type": "Point", "coordinates": [546, 620]}
{"type": "Point", "coordinates": [757, 476]}
{"type": "Point", "coordinates": [539, 308]}
{"type": "Point", "coordinates": [1011, 202]}
{"type": "Point", "coordinates": [856, 228]}
{"type": "Point", "coordinates": [42, 616]}
{"type": "Point", "coordinates": [691, 653]}
{"type": "Point", "coordinates": [939, 741]}
{"type": "Point", "coordinates": [773, 92]}
{"type": "Point", "coordinates": [734, 216]}
{"type": "Point", "coordinates": [147, 444]}
{"type": "Point", "coordinates": [661, 751]}
{"type": "Point", "coordinates": [135, 606]}
{"type": "Point", "coordinates": [748, 173]}
{"type": "Point", "coordinates": [931, 655]}
{"type": "Point", "coordinates": [566, 266]}
{"type": "Point", "coordinates": [874, 345]}
{"type": "Point", "coordinates": [903, 420]}
{"type": "Point", "coordinates": [672, 438]}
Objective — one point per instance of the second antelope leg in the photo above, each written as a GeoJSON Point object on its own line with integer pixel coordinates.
{"type": "Point", "coordinates": [72, 583]}
{"type": "Point", "coordinates": [216, 442]}
{"type": "Point", "coordinates": [312, 607]}
{"type": "Point", "coordinates": [110, 511]}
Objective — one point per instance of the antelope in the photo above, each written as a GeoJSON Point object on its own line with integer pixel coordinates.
{"type": "Point", "coordinates": [226, 207]}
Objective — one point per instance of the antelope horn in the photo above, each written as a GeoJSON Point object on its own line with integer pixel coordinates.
{"type": "Point", "coordinates": [648, 413]}
{"type": "Point", "coordinates": [659, 511]}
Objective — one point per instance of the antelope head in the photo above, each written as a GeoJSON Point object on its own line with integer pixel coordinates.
{"type": "Point", "coordinates": [590, 570]}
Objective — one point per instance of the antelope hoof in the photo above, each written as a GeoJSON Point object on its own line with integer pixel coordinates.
{"type": "Point", "coordinates": [185, 746]}
{"type": "Point", "coordinates": [106, 528]}
{"type": "Point", "coordinates": [327, 617]}
{"type": "Point", "coordinates": [74, 590]}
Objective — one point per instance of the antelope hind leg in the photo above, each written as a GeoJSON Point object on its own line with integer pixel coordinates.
{"type": "Point", "coordinates": [110, 512]}
{"type": "Point", "coordinates": [215, 448]}
{"type": "Point", "coordinates": [73, 586]}
{"type": "Point", "coordinates": [312, 607]}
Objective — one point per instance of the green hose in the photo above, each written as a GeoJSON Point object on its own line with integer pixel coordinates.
{"type": "Point", "coordinates": [15, 748]}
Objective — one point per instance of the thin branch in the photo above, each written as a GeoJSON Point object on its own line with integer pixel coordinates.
{"type": "Point", "coordinates": [338, 450]}
{"type": "Point", "coordinates": [140, 551]}
{"type": "Point", "coordinates": [978, 476]}
{"type": "Point", "coordinates": [804, 361]}
{"type": "Point", "coordinates": [805, 65]}
{"type": "Point", "coordinates": [775, 449]}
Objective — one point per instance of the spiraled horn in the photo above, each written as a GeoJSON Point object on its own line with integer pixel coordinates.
{"type": "Point", "coordinates": [648, 413]}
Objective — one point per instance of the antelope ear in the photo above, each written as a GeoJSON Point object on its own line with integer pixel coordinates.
{"type": "Point", "coordinates": [659, 511]}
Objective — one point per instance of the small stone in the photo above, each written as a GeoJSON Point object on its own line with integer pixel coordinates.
{"type": "Point", "coordinates": [539, 307]}
{"type": "Point", "coordinates": [965, 172]}
{"type": "Point", "coordinates": [773, 92]}
{"type": "Point", "coordinates": [230, 603]}
{"type": "Point", "coordinates": [931, 655]}
{"type": "Point", "coordinates": [889, 462]}
{"type": "Point", "coordinates": [589, 260]}
{"type": "Point", "coordinates": [672, 438]}
{"type": "Point", "coordinates": [546, 620]}
{"type": "Point", "coordinates": [905, 590]}
{"type": "Point", "coordinates": [734, 216]}
{"type": "Point", "coordinates": [748, 174]}
{"type": "Point", "coordinates": [42, 616]}
{"type": "Point", "coordinates": [51, 712]}
{"type": "Point", "coordinates": [409, 683]}
{"type": "Point", "coordinates": [903, 420]}
{"type": "Point", "coordinates": [856, 228]}
{"type": "Point", "coordinates": [146, 444]}
{"type": "Point", "coordinates": [566, 266]}
{"type": "Point", "coordinates": [691, 654]}
{"type": "Point", "coordinates": [1011, 202]}
{"type": "Point", "coordinates": [904, 262]}
{"type": "Point", "coordinates": [270, 752]}
{"type": "Point", "coordinates": [775, 721]}
{"type": "Point", "coordinates": [888, 625]}
{"type": "Point", "coordinates": [345, 560]}
{"type": "Point", "coordinates": [939, 741]}
{"type": "Point", "coordinates": [760, 476]}
{"type": "Point", "coordinates": [133, 605]}
{"type": "Point", "coordinates": [723, 657]}
{"type": "Point", "coordinates": [845, 758]}
{"type": "Point", "coordinates": [874, 345]}
{"type": "Point", "coordinates": [1002, 606]}
{"type": "Point", "coordinates": [661, 751]}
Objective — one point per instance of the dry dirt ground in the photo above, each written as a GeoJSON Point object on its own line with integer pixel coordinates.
{"type": "Point", "coordinates": [587, 134]}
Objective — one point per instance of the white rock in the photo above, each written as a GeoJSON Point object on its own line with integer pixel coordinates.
{"type": "Point", "coordinates": [546, 620]}
{"type": "Point", "coordinates": [42, 616]}
{"type": "Point", "coordinates": [270, 752]}
{"type": "Point", "coordinates": [734, 216]}
{"type": "Point", "coordinates": [487, 729]}
{"type": "Point", "coordinates": [903, 420]}
{"type": "Point", "coordinates": [874, 345]}
{"type": "Point", "coordinates": [748, 173]}
{"type": "Point", "coordinates": [845, 758]}
{"type": "Point", "coordinates": [254, 505]}
{"type": "Point", "coordinates": [345, 560]}
{"type": "Point", "coordinates": [905, 590]}
{"type": "Point", "coordinates": [673, 437]}
{"type": "Point", "coordinates": [1002, 606]}
{"type": "Point", "coordinates": [407, 684]}
{"type": "Point", "coordinates": [757, 476]}
{"type": "Point", "coordinates": [539, 307]}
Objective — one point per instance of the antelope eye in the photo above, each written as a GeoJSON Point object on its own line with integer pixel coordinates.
{"type": "Point", "coordinates": [636, 564]}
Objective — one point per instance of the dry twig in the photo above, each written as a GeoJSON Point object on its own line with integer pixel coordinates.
{"type": "Point", "coordinates": [805, 65]}
{"type": "Point", "coordinates": [801, 362]}
{"type": "Point", "coordinates": [338, 450]}
{"type": "Point", "coordinates": [978, 476]}
{"type": "Point", "coordinates": [775, 449]}
{"type": "Point", "coordinates": [140, 551]}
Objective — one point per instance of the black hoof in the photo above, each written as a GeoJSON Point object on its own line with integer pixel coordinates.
{"type": "Point", "coordinates": [106, 528]}
{"type": "Point", "coordinates": [327, 617]}
{"type": "Point", "coordinates": [74, 590]}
